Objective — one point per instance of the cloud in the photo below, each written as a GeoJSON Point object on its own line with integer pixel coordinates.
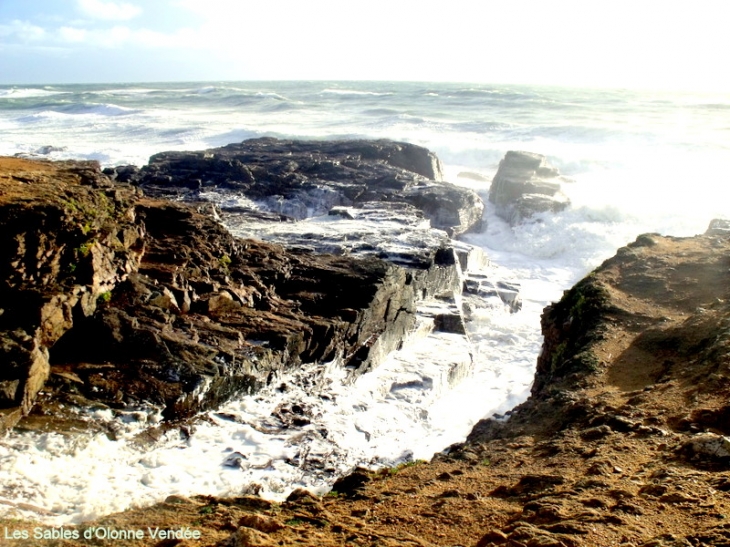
{"type": "Point", "coordinates": [121, 36]}
{"type": "Point", "coordinates": [108, 10]}
{"type": "Point", "coordinates": [22, 30]}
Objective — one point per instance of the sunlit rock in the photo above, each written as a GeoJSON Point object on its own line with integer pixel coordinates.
{"type": "Point", "coordinates": [526, 184]}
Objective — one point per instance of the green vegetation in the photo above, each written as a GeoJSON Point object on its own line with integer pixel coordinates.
{"type": "Point", "coordinates": [104, 297]}
{"type": "Point", "coordinates": [294, 522]}
{"type": "Point", "coordinates": [225, 262]}
{"type": "Point", "coordinates": [558, 356]}
{"type": "Point", "coordinates": [94, 210]}
{"type": "Point", "coordinates": [84, 249]}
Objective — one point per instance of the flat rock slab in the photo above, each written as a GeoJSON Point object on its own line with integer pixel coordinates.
{"type": "Point", "coordinates": [300, 179]}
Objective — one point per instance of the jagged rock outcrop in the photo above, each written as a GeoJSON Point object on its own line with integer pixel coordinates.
{"type": "Point", "coordinates": [380, 199]}
{"type": "Point", "coordinates": [666, 299]}
{"type": "Point", "coordinates": [630, 402]}
{"type": "Point", "coordinates": [718, 227]}
{"type": "Point", "coordinates": [67, 237]}
{"type": "Point", "coordinates": [300, 179]}
{"type": "Point", "coordinates": [526, 184]}
{"type": "Point", "coordinates": [111, 298]}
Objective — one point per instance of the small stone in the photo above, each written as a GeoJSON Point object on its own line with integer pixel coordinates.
{"type": "Point", "coordinates": [235, 460]}
{"type": "Point", "coordinates": [178, 500]}
{"type": "Point", "coordinates": [653, 490]}
{"type": "Point", "coordinates": [707, 446]}
{"type": "Point", "coordinates": [360, 513]}
{"type": "Point", "coordinates": [494, 536]}
{"type": "Point", "coordinates": [677, 497]}
{"type": "Point", "coordinates": [260, 523]}
{"type": "Point", "coordinates": [595, 433]}
{"type": "Point", "coordinates": [248, 537]}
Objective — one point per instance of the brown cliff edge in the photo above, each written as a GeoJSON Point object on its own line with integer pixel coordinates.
{"type": "Point", "coordinates": [623, 441]}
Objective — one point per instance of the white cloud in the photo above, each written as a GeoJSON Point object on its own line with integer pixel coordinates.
{"type": "Point", "coordinates": [72, 35]}
{"type": "Point", "coordinates": [108, 10]}
{"type": "Point", "coordinates": [22, 30]}
{"type": "Point", "coordinates": [122, 36]}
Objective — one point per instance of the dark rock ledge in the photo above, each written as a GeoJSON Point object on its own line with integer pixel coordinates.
{"type": "Point", "coordinates": [113, 300]}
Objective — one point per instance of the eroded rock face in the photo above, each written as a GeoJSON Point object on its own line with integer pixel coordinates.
{"type": "Point", "coordinates": [526, 184]}
{"type": "Point", "coordinates": [718, 227]}
{"type": "Point", "coordinates": [66, 238]}
{"type": "Point", "coordinates": [121, 300]}
{"type": "Point", "coordinates": [655, 314]}
{"type": "Point", "coordinates": [300, 179]}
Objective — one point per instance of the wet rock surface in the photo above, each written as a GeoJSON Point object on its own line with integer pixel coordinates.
{"type": "Point", "coordinates": [300, 179]}
{"type": "Point", "coordinates": [112, 299]}
{"type": "Point", "coordinates": [526, 184]}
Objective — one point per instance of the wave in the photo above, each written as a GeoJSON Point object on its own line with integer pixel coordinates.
{"type": "Point", "coordinates": [355, 92]}
{"type": "Point", "coordinates": [97, 109]}
{"type": "Point", "coordinates": [27, 93]}
{"type": "Point", "coordinates": [714, 106]}
{"type": "Point", "coordinates": [381, 112]}
{"type": "Point", "coordinates": [134, 91]}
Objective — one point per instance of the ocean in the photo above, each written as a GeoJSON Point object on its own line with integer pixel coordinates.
{"type": "Point", "coordinates": [638, 161]}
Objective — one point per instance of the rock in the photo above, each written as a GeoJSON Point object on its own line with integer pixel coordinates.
{"type": "Point", "coordinates": [678, 497]}
{"type": "Point", "coordinates": [66, 239]}
{"type": "Point", "coordinates": [522, 533]}
{"type": "Point", "coordinates": [301, 179]}
{"type": "Point", "coordinates": [261, 523]}
{"type": "Point", "coordinates": [247, 537]}
{"type": "Point", "coordinates": [496, 537]}
{"type": "Point", "coordinates": [181, 314]}
{"type": "Point", "coordinates": [529, 484]}
{"type": "Point", "coordinates": [526, 184]}
{"type": "Point", "coordinates": [707, 448]}
{"type": "Point", "coordinates": [718, 227]}
{"type": "Point", "coordinates": [353, 484]}
{"type": "Point", "coordinates": [506, 292]}
{"type": "Point", "coordinates": [595, 433]}
{"type": "Point", "coordinates": [666, 540]}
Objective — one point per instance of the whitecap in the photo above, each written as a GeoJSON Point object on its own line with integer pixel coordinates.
{"type": "Point", "coordinates": [25, 93]}
{"type": "Point", "coordinates": [354, 92]}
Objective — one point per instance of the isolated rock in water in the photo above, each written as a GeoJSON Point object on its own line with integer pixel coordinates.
{"type": "Point", "coordinates": [301, 179]}
{"type": "Point", "coordinates": [526, 184]}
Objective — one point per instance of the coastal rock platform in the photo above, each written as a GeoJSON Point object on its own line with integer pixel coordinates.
{"type": "Point", "coordinates": [127, 302]}
{"type": "Point", "coordinates": [111, 299]}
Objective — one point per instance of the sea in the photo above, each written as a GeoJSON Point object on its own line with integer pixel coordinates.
{"type": "Point", "coordinates": [636, 162]}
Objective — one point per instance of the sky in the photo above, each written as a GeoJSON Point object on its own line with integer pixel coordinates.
{"type": "Point", "coordinates": [669, 44]}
